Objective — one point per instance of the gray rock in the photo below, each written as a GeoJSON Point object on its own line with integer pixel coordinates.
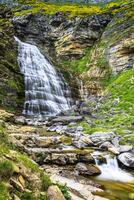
{"type": "Point", "coordinates": [67, 119]}
{"type": "Point", "coordinates": [99, 137]}
{"type": "Point", "coordinates": [127, 159]}
{"type": "Point", "coordinates": [20, 120]}
{"type": "Point", "coordinates": [83, 141]}
{"type": "Point", "coordinates": [106, 145]}
{"type": "Point", "coordinates": [87, 169]}
{"type": "Point", "coordinates": [125, 148]}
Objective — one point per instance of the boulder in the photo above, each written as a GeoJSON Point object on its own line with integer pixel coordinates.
{"type": "Point", "coordinates": [127, 159]}
{"type": "Point", "coordinates": [44, 142]}
{"type": "Point", "coordinates": [99, 137]}
{"type": "Point", "coordinates": [20, 120]}
{"type": "Point", "coordinates": [84, 141]}
{"type": "Point", "coordinates": [67, 119]}
{"type": "Point", "coordinates": [125, 148]}
{"type": "Point", "coordinates": [87, 169]}
{"type": "Point", "coordinates": [54, 193]}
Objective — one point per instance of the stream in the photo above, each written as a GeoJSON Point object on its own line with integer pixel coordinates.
{"type": "Point", "coordinates": [118, 183]}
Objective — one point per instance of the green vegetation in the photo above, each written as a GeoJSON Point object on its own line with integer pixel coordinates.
{"type": "Point", "coordinates": [117, 109]}
{"type": "Point", "coordinates": [6, 169]}
{"type": "Point", "coordinates": [72, 9]}
{"type": "Point", "coordinates": [78, 66]}
{"type": "Point", "coordinates": [4, 194]}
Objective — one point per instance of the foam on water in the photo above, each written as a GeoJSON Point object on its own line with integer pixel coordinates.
{"type": "Point", "coordinates": [111, 171]}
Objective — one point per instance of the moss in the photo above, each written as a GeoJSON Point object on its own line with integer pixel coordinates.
{"type": "Point", "coordinates": [6, 169]}
{"type": "Point", "coordinates": [4, 194]}
{"type": "Point", "coordinates": [78, 66]}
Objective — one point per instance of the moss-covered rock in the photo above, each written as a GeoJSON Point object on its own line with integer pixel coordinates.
{"type": "Point", "coordinates": [11, 82]}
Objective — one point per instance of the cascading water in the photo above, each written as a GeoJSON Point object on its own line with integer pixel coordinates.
{"type": "Point", "coordinates": [46, 93]}
{"type": "Point", "coordinates": [110, 170]}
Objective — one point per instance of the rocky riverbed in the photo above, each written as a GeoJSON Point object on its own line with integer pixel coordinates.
{"type": "Point", "coordinates": [87, 163]}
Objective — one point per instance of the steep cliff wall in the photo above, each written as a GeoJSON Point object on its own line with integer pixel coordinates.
{"type": "Point", "coordinates": [90, 43]}
{"type": "Point", "coordinates": [11, 82]}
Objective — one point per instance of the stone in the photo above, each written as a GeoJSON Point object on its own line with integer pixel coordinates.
{"type": "Point", "coordinates": [84, 141]}
{"type": "Point", "coordinates": [21, 180]}
{"type": "Point", "coordinates": [54, 193]}
{"type": "Point", "coordinates": [114, 150]}
{"type": "Point", "coordinates": [105, 145]}
{"type": "Point", "coordinates": [44, 142]}
{"type": "Point", "coordinates": [127, 159]}
{"type": "Point", "coordinates": [87, 158]}
{"type": "Point", "coordinates": [87, 170]}
{"type": "Point", "coordinates": [17, 184]}
{"type": "Point", "coordinates": [15, 197]}
{"type": "Point", "coordinates": [99, 137]}
{"type": "Point", "coordinates": [20, 120]}
{"type": "Point", "coordinates": [125, 148]}
{"type": "Point", "coordinates": [67, 119]}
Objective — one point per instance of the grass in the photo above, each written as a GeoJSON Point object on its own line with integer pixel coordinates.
{"type": "Point", "coordinates": [116, 112]}
{"type": "Point", "coordinates": [78, 66]}
{"type": "Point", "coordinates": [4, 195]}
{"type": "Point", "coordinates": [6, 169]}
{"type": "Point", "coordinates": [72, 9]}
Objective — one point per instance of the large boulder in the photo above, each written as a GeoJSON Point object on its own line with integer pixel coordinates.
{"type": "Point", "coordinates": [127, 159]}
{"type": "Point", "coordinates": [87, 169]}
{"type": "Point", "coordinates": [54, 193]}
{"type": "Point", "coordinates": [100, 137]}
{"type": "Point", "coordinates": [67, 119]}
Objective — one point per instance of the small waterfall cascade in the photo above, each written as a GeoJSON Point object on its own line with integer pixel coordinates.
{"type": "Point", "coordinates": [110, 169]}
{"type": "Point", "coordinates": [46, 92]}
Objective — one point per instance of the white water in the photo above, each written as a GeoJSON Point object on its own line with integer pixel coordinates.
{"type": "Point", "coordinates": [46, 93]}
{"type": "Point", "coordinates": [111, 171]}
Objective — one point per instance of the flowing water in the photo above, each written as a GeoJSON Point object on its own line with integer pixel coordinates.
{"type": "Point", "coordinates": [118, 183]}
{"type": "Point", "coordinates": [46, 92]}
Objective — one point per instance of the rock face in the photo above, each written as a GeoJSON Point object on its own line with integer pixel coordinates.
{"type": "Point", "coordinates": [60, 36]}
{"type": "Point", "coordinates": [127, 159]}
{"type": "Point", "coordinates": [11, 82]}
{"type": "Point", "coordinates": [113, 53]}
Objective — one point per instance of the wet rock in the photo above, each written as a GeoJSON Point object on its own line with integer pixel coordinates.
{"type": "Point", "coordinates": [99, 137]}
{"type": "Point", "coordinates": [67, 119]}
{"type": "Point", "coordinates": [127, 159]}
{"type": "Point", "coordinates": [87, 170]}
{"type": "Point", "coordinates": [54, 193]}
{"type": "Point", "coordinates": [87, 158]}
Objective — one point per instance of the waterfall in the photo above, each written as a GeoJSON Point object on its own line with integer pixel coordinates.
{"type": "Point", "coordinates": [46, 92]}
{"type": "Point", "coordinates": [110, 170]}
